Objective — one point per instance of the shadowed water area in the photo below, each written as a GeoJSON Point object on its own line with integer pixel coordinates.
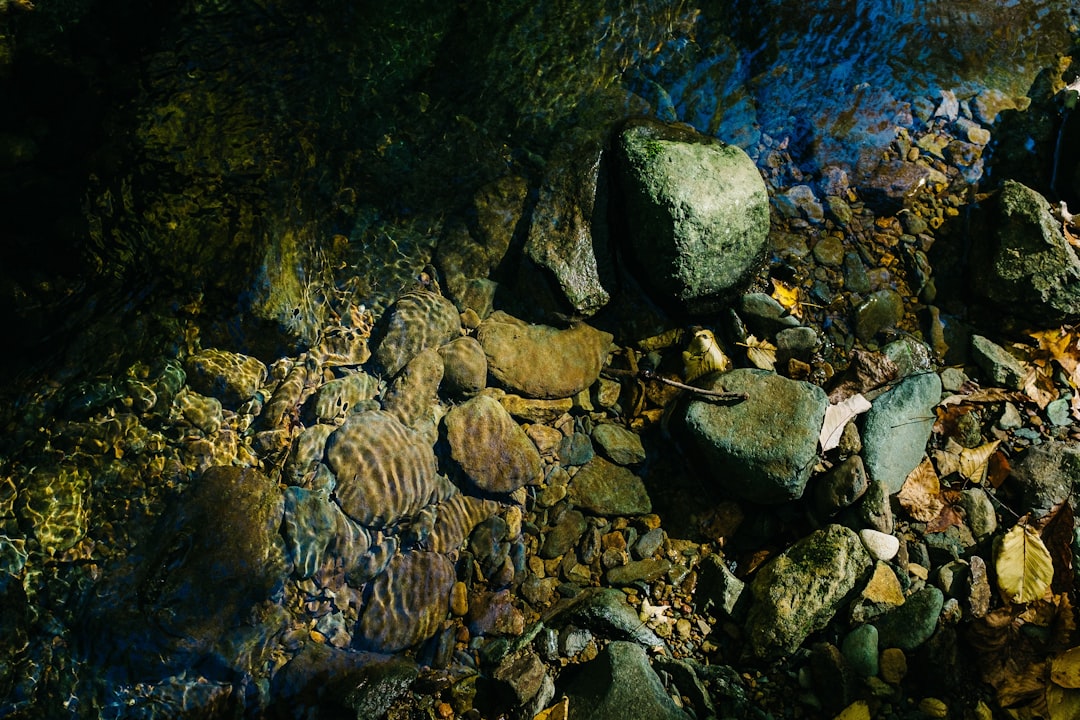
{"type": "Point", "coordinates": [247, 466]}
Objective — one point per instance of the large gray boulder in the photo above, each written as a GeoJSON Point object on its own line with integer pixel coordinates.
{"type": "Point", "coordinates": [799, 591]}
{"type": "Point", "coordinates": [620, 684]}
{"type": "Point", "coordinates": [1023, 263]}
{"type": "Point", "coordinates": [697, 213]}
{"type": "Point", "coordinates": [764, 448]}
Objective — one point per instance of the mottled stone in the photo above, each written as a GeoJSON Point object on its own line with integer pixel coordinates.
{"type": "Point", "coordinates": [604, 488]}
{"type": "Point", "coordinates": [719, 588]}
{"type": "Point", "coordinates": [407, 603]}
{"type": "Point", "coordinates": [1000, 367]}
{"type": "Point", "coordinates": [492, 449]}
{"type": "Point", "coordinates": [882, 310]}
{"type": "Point", "coordinates": [455, 519]}
{"type": "Point", "coordinates": [620, 684]}
{"type": "Point", "coordinates": [800, 590]}
{"type": "Point", "coordinates": [698, 213]}
{"type": "Point", "coordinates": [535, 411]}
{"type": "Point", "coordinates": [565, 534]}
{"type": "Point", "coordinates": [1047, 474]}
{"type": "Point", "coordinates": [647, 571]}
{"type": "Point", "coordinates": [842, 486]}
{"type": "Point", "coordinates": [54, 504]}
{"type": "Point", "coordinates": [764, 448]}
{"type": "Point", "coordinates": [384, 470]}
{"type": "Point", "coordinates": [540, 361]}
{"type": "Point", "coordinates": [204, 413]}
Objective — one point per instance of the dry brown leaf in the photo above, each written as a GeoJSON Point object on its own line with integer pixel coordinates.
{"type": "Point", "coordinates": [1065, 668]}
{"type": "Point", "coordinates": [787, 296]}
{"type": "Point", "coordinates": [761, 353]}
{"type": "Point", "coordinates": [1017, 684]}
{"type": "Point", "coordinates": [920, 495]}
{"type": "Point", "coordinates": [1039, 386]}
{"type": "Point", "coordinates": [947, 459]}
{"type": "Point", "coordinates": [982, 395]}
{"type": "Point", "coordinates": [974, 461]}
{"type": "Point", "coordinates": [1024, 566]}
{"type": "Point", "coordinates": [950, 514]}
{"type": "Point", "coordinates": [1056, 529]}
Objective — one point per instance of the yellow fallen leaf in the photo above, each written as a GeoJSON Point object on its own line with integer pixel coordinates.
{"type": "Point", "coordinates": [858, 710]}
{"type": "Point", "coordinates": [787, 296]}
{"type": "Point", "coordinates": [703, 356]}
{"type": "Point", "coordinates": [1062, 703]}
{"type": "Point", "coordinates": [761, 353]}
{"type": "Point", "coordinates": [973, 461]}
{"type": "Point", "coordinates": [1024, 566]}
{"type": "Point", "coordinates": [558, 711]}
{"type": "Point", "coordinates": [1065, 669]}
{"type": "Point", "coordinates": [920, 495]}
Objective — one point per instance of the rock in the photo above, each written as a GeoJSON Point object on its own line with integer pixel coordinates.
{"type": "Point", "coordinates": [493, 613]}
{"type": "Point", "coordinates": [606, 489]}
{"type": "Point", "coordinates": [204, 413]}
{"type": "Point", "coordinates": [540, 361]}
{"type": "Point", "coordinates": [764, 316]}
{"type": "Point", "coordinates": [466, 262]}
{"type": "Point", "coordinates": [417, 320]}
{"type": "Point", "coordinates": [799, 591]}
{"type": "Point", "coordinates": [619, 445]}
{"type": "Point", "coordinates": [620, 685]}
{"type": "Point", "coordinates": [719, 588]}
{"type": "Point", "coordinates": [762, 449]}
{"type": "Point", "coordinates": [881, 311]}
{"type": "Point", "coordinates": [413, 394]}
{"type": "Point", "coordinates": [406, 603]}
{"type": "Point", "coordinates": [997, 363]}
{"type": "Point", "coordinates": [893, 665]}
{"type": "Point", "coordinates": [796, 342]}
{"type": "Point", "coordinates": [888, 186]}
{"type": "Point", "coordinates": [456, 518]}
{"type": "Point", "coordinates": [384, 470]}
{"type": "Point", "coordinates": [649, 543]}
{"type": "Point", "coordinates": [55, 505]}
{"type": "Point", "coordinates": [492, 450]}
{"type": "Point", "coordinates": [230, 377]}
{"type": "Point", "coordinates": [860, 650]}
{"type": "Point", "coordinates": [576, 449]}
{"type": "Point", "coordinates": [910, 356]}
{"type": "Point", "coordinates": [1047, 475]}
{"type": "Point", "coordinates": [605, 612]}
{"type": "Point", "coordinates": [312, 525]}
{"type": "Point", "coordinates": [339, 397]}
{"type": "Point", "coordinates": [568, 236]}
{"type": "Point", "coordinates": [218, 546]}
{"type": "Point", "coordinates": [697, 213]}
{"type": "Point", "coordinates": [881, 594]}
{"type": "Point", "coordinates": [536, 411]}
{"type": "Point", "coordinates": [874, 509]}
{"type": "Point", "coordinates": [564, 536]}
{"type": "Point", "coordinates": [979, 513]}
{"type": "Point", "coordinates": [1023, 264]}
{"type": "Point", "coordinates": [646, 571]}
{"type": "Point", "coordinates": [464, 367]}
{"type": "Point", "coordinates": [881, 546]}
{"type": "Point", "coordinates": [799, 201]}
{"type": "Point", "coordinates": [897, 428]}
{"type": "Point", "coordinates": [910, 625]}
{"type": "Point", "coordinates": [519, 677]}
{"type": "Point", "coordinates": [842, 486]}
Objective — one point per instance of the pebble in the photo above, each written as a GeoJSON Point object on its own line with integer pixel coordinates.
{"type": "Point", "coordinates": [881, 546]}
{"type": "Point", "coordinates": [648, 544]}
{"type": "Point", "coordinates": [979, 513]}
{"type": "Point", "coordinates": [860, 650]}
{"type": "Point", "coordinates": [459, 599]}
{"type": "Point", "coordinates": [910, 625]}
{"type": "Point", "coordinates": [995, 361]}
{"type": "Point", "coordinates": [893, 665]}
{"type": "Point", "coordinates": [882, 310]}
{"type": "Point", "coordinates": [564, 536]}
{"type": "Point", "coordinates": [638, 571]}
{"type": "Point", "coordinates": [618, 444]}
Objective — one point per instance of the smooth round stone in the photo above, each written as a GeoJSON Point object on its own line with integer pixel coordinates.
{"type": "Point", "coordinates": [860, 649]}
{"type": "Point", "coordinates": [881, 546]}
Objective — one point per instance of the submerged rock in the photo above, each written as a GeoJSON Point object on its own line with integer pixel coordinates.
{"type": "Point", "coordinates": [417, 320]}
{"type": "Point", "coordinates": [230, 377]}
{"type": "Point", "coordinates": [697, 212]}
{"type": "Point", "coordinates": [384, 470]}
{"type": "Point", "coordinates": [406, 603]}
{"type": "Point", "coordinates": [764, 448]}
{"type": "Point", "coordinates": [492, 449]}
{"type": "Point", "coordinates": [540, 361]}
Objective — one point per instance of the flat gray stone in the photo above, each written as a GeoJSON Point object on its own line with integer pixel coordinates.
{"type": "Point", "coordinates": [620, 684]}
{"type": "Point", "coordinates": [897, 428]}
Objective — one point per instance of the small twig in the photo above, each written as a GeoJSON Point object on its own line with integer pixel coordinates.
{"type": "Point", "coordinates": [650, 375]}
